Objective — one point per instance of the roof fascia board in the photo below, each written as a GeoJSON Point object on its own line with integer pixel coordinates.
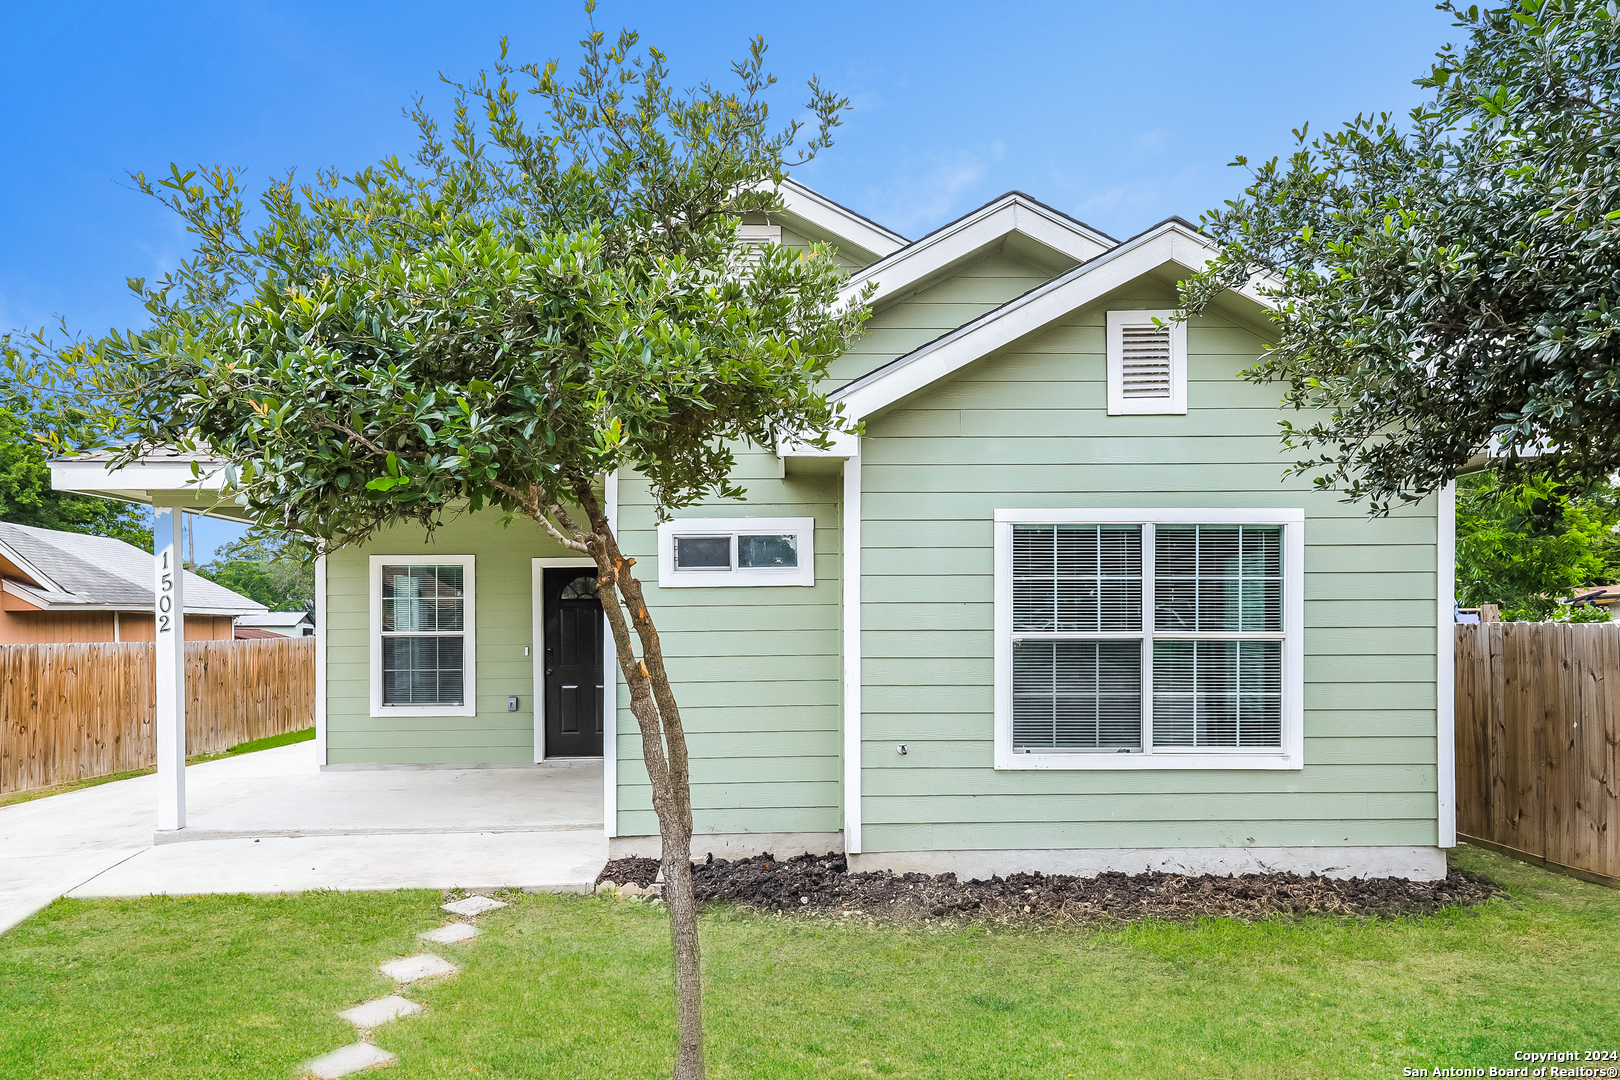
{"type": "Point", "coordinates": [147, 481]}
{"type": "Point", "coordinates": [969, 234]}
{"type": "Point", "coordinates": [1168, 243]}
{"type": "Point", "coordinates": [42, 581]}
{"type": "Point", "coordinates": [811, 206]}
{"type": "Point", "coordinates": [44, 603]}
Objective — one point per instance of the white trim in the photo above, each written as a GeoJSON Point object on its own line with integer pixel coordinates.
{"type": "Point", "coordinates": [169, 652]}
{"type": "Point", "coordinates": [42, 582]}
{"type": "Point", "coordinates": [965, 237]}
{"type": "Point", "coordinates": [537, 649]}
{"type": "Point", "coordinates": [802, 528]}
{"type": "Point", "coordinates": [40, 600]}
{"type": "Point", "coordinates": [821, 213]}
{"type": "Point", "coordinates": [1292, 753]}
{"type": "Point", "coordinates": [1445, 689]}
{"type": "Point", "coordinates": [610, 685]}
{"type": "Point", "coordinates": [1118, 403]}
{"type": "Point", "coordinates": [320, 660]}
{"type": "Point", "coordinates": [1171, 242]}
{"type": "Point", "coordinates": [469, 659]}
{"type": "Point", "coordinates": [851, 547]}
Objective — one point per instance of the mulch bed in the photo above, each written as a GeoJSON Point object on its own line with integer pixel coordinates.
{"type": "Point", "coordinates": [823, 885]}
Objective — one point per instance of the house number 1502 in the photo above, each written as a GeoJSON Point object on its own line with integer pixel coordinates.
{"type": "Point", "coordinates": [166, 601]}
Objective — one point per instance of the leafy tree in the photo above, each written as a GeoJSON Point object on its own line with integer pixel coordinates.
{"type": "Point", "coordinates": [26, 497]}
{"type": "Point", "coordinates": [278, 572]}
{"type": "Point", "coordinates": [542, 301]}
{"type": "Point", "coordinates": [1529, 546]}
{"type": "Point", "coordinates": [1450, 283]}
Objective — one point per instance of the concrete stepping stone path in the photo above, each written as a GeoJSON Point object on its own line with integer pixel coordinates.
{"type": "Point", "coordinates": [416, 968]}
{"type": "Point", "coordinates": [349, 1059]}
{"type": "Point", "coordinates": [382, 1011]}
{"type": "Point", "coordinates": [450, 933]}
{"type": "Point", "coordinates": [473, 905]}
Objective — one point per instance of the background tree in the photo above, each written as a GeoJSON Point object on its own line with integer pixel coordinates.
{"type": "Point", "coordinates": [1529, 547]}
{"type": "Point", "coordinates": [277, 571]}
{"type": "Point", "coordinates": [536, 304]}
{"type": "Point", "coordinates": [26, 497]}
{"type": "Point", "coordinates": [1451, 282]}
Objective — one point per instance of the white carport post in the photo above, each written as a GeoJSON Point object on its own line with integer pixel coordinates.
{"type": "Point", "coordinates": [169, 626]}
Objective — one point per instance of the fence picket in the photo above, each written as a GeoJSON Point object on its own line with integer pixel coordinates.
{"type": "Point", "coordinates": [89, 709]}
{"type": "Point", "coordinates": [1537, 720]}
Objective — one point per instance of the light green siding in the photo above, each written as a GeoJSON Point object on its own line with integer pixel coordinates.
{"type": "Point", "coordinates": [899, 326]}
{"type": "Point", "coordinates": [1029, 428]}
{"type": "Point", "coordinates": [757, 671]}
{"type": "Point", "coordinates": [504, 627]}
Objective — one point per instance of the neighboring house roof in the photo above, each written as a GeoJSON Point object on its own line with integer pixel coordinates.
{"type": "Point", "coordinates": [278, 618]}
{"type": "Point", "coordinates": [253, 633]}
{"type": "Point", "coordinates": [62, 571]}
{"type": "Point", "coordinates": [1173, 241]}
{"type": "Point", "coordinates": [1014, 222]}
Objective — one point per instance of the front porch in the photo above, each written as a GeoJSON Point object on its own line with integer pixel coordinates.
{"type": "Point", "coordinates": [273, 822]}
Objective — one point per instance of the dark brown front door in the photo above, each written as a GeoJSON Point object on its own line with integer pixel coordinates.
{"type": "Point", "coordinates": [573, 663]}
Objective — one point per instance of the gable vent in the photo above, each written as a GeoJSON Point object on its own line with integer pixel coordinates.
{"type": "Point", "coordinates": [752, 239]}
{"type": "Point", "coordinates": [1145, 362]}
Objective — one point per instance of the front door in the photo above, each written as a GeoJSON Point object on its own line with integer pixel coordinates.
{"type": "Point", "coordinates": [573, 662]}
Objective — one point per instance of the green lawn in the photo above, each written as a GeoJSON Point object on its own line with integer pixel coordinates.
{"type": "Point", "coordinates": [565, 986]}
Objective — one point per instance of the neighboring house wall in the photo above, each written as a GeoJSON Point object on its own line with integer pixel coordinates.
{"type": "Point", "coordinates": [40, 628]}
{"type": "Point", "coordinates": [756, 671]}
{"type": "Point", "coordinates": [1028, 428]}
{"type": "Point", "coordinates": [504, 627]}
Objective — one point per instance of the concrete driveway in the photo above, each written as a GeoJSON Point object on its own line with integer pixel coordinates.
{"type": "Point", "coordinates": [274, 822]}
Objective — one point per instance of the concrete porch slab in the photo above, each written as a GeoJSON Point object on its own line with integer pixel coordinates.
{"type": "Point", "coordinates": [539, 862]}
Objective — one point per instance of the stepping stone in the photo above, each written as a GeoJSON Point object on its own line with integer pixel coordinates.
{"type": "Point", "coordinates": [450, 933]}
{"type": "Point", "coordinates": [377, 1013]}
{"type": "Point", "coordinates": [473, 905]}
{"type": "Point", "coordinates": [414, 968]}
{"type": "Point", "coordinates": [349, 1059]}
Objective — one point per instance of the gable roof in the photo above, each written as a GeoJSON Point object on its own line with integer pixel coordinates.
{"type": "Point", "coordinates": [1171, 241]}
{"type": "Point", "coordinates": [801, 205]}
{"type": "Point", "coordinates": [62, 571]}
{"type": "Point", "coordinates": [1011, 215]}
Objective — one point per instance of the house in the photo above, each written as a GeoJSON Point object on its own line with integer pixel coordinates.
{"type": "Point", "coordinates": [1058, 608]}
{"type": "Point", "coordinates": [62, 586]}
{"type": "Point", "coordinates": [272, 624]}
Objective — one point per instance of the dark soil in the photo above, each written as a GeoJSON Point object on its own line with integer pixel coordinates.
{"type": "Point", "coordinates": [823, 885]}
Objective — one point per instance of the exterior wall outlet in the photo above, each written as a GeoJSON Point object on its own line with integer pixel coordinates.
{"type": "Point", "coordinates": [512, 703]}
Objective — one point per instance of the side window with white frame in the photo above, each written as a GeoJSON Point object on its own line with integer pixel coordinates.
{"type": "Point", "coordinates": [713, 552]}
{"type": "Point", "coordinates": [1156, 639]}
{"type": "Point", "coordinates": [422, 636]}
{"type": "Point", "coordinates": [1147, 363]}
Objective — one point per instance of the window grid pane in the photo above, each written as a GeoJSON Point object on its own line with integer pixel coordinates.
{"type": "Point", "coordinates": [1077, 695]}
{"type": "Point", "coordinates": [417, 599]}
{"type": "Point", "coordinates": [1217, 694]}
{"type": "Point", "coordinates": [1218, 577]}
{"type": "Point", "coordinates": [1077, 578]}
{"type": "Point", "coordinates": [422, 671]}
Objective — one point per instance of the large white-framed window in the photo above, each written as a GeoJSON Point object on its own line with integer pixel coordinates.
{"type": "Point", "coordinates": [1147, 363]}
{"type": "Point", "coordinates": [422, 636]}
{"type": "Point", "coordinates": [696, 553]}
{"type": "Point", "coordinates": [1149, 639]}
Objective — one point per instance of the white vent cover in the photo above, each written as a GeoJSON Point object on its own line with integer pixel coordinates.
{"type": "Point", "coordinates": [1147, 363]}
{"type": "Point", "coordinates": [751, 238]}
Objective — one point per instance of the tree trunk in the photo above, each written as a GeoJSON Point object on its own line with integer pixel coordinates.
{"type": "Point", "coordinates": [663, 747]}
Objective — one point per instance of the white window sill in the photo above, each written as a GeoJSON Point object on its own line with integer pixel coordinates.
{"type": "Point", "coordinates": [378, 711]}
{"type": "Point", "coordinates": [1161, 762]}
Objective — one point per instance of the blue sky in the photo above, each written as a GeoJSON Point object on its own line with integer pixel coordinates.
{"type": "Point", "coordinates": [1119, 114]}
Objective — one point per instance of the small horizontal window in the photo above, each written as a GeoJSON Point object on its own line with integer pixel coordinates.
{"type": "Point", "coordinates": [701, 552]}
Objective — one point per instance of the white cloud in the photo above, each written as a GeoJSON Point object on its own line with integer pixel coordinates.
{"type": "Point", "coordinates": [934, 189]}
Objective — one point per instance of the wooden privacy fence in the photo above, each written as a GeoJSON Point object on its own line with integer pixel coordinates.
{"type": "Point", "coordinates": [1538, 730]}
{"type": "Point", "coordinates": [89, 709]}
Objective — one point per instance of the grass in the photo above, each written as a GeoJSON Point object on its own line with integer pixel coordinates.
{"type": "Point", "coordinates": [284, 739]}
{"type": "Point", "coordinates": [579, 986]}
